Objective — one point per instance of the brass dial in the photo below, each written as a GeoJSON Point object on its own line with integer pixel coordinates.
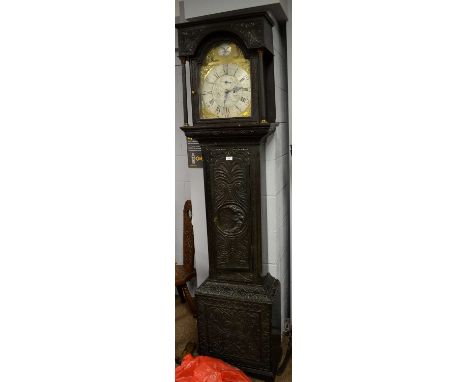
{"type": "Point", "coordinates": [225, 85]}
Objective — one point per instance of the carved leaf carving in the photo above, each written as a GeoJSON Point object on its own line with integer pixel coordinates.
{"type": "Point", "coordinates": [235, 330]}
{"type": "Point", "coordinates": [231, 206]}
{"type": "Point", "coordinates": [251, 32]}
{"type": "Point", "coordinates": [224, 331]}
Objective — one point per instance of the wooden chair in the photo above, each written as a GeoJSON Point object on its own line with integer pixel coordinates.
{"type": "Point", "coordinates": [186, 272]}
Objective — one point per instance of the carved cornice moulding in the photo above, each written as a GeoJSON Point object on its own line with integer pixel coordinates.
{"type": "Point", "coordinates": [210, 132]}
{"type": "Point", "coordinates": [254, 30]}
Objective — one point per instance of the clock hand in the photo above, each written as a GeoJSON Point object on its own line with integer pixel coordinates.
{"type": "Point", "coordinates": [237, 88]}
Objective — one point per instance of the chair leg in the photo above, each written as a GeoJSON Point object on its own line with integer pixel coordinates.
{"type": "Point", "coordinates": [181, 294]}
{"type": "Point", "coordinates": [189, 299]}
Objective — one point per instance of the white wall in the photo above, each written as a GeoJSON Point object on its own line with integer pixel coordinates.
{"type": "Point", "coordinates": [275, 190]}
{"type": "Point", "coordinates": [182, 172]}
{"type": "Point", "coordinates": [189, 185]}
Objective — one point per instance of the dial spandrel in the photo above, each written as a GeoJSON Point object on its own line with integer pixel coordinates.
{"type": "Point", "coordinates": [225, 85]}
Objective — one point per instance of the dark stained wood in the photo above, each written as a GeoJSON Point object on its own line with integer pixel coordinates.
{"type": "Point", "coordinates": [232, 199]}
{"type": "Point", "coordinates": [254, 30]}
{"type": "Point", "coordinates": [239, 310]}
{"type": "Point", "coordinates": [261, 80]}
{"type": "Point", "coordinates": [252, 34]}
{"type": "Point", "coordinates": [184, 90]}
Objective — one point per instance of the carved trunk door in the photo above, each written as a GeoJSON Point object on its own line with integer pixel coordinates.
{"type": "Point", "coordinates": [231, 177]}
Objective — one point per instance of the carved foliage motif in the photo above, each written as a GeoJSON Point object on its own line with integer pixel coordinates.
{"type": "Point", "coordinates": [230, 219]}
{"type": "Point", "coordinates": [238, 333]}
{"type": "Point", "coordinates": [187, 45]}
{"type": "Point", "coordinates": [225, 326]}
{"type": "Point", "coordinates": [251, 32]}
{"type": "Point", "coordinates": [263, 293]}
{"type": "Point", "coordinates": [231, 206]}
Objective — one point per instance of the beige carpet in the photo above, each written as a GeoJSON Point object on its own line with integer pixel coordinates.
{"type": "Point", "coordinates": [186, 331]}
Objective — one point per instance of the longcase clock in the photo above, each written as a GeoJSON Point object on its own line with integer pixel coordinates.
{"type": "Point", "coordinates": [233, 110]}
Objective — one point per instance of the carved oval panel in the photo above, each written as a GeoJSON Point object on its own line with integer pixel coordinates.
{"type": "Point", "coordinates": [230, 219]}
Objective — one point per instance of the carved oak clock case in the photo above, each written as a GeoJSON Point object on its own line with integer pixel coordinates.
{"type": "Point", "coordinates": [232, 96]}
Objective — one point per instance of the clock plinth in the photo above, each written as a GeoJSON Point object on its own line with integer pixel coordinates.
{"type": "Point", "coordinates": [239, 310]}
{"type": "Point", "coordinates": [241, 324]}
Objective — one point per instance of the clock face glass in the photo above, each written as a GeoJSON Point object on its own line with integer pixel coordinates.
{"type": "Point", "coordinates": [225, 86]}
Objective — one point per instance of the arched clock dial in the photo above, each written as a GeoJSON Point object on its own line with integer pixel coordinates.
{"type": "Point", "coordinates": [225, 84]}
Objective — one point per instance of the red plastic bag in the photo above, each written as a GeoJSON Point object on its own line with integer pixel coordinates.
{"type": "Point", "coordinates": [207, 369]}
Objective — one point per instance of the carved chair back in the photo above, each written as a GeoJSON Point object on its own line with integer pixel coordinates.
{"type": "Point", "coordinates": [188, 245]}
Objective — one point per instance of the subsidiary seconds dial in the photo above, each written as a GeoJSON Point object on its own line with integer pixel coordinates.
{"type": "Point", "coordinates": [225, 91]}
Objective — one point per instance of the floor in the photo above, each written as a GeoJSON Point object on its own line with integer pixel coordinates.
{"type": "Point", "coordinates": [186, 331]}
